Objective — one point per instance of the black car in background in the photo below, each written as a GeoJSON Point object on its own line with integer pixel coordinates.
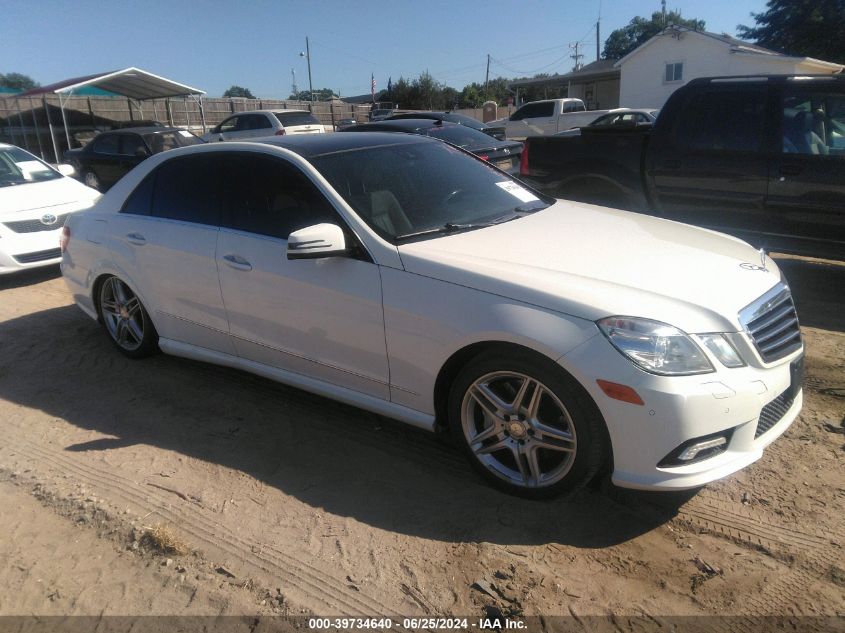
{"type": "Point", "coordinates": [110, 155]}
{"type": "Point", "coordinates": [452, 117]}
{"type": "Point", "coordinates": [503, 154]}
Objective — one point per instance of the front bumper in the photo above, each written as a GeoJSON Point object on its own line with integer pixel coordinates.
{"type": "Point", "coordinates": [20, 251]}
{"type": "Point", "coordinates": [681, 408]}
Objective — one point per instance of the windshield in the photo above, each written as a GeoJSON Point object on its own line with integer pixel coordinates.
{"type": "Point", "coordinates": [460, 135]}
{"type": "Point", "coordinates": [163, 141]}
{"type": "Point", "coordinates": [408, 188]}
{"type": "Point", "coordinates": [18, 167]}
{"type": "Point", "coordinates": [296, 118]}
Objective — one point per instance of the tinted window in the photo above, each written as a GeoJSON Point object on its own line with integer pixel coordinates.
{"type": "Point", "coordinates": [164, 141]}
{"type": "Point", "coordinates": [253, 122]}
{"type": "Point", "coordinates": [140, 201]}
{"type": "Point", "coordinates": [107, 144]}
{"type": "Point", "coordinates": [534, 110]}
{"type": "Point", "coordinates": [229, 124]}
{"type": "Point", "coordinates": [409, 187]}
{"type": "Point", "coordinates": [727, 120]}
{"type": "Point", "coordinates": [461, 135]}
{"type": "Point", "coordinates": [296, 118]}
{"type": "Point", "coordinates": [131, 144]}
{"type": "Point", "coordinates": [267, 196]}
{"type": "Point", "coordinates": [186, 189]}
{"type": "Point", "coordinates": [814, 123]}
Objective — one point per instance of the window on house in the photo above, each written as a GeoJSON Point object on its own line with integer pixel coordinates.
{"type": "Point", "coordinates": [674, 72]}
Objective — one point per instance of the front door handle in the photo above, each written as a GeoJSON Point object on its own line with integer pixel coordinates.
{"type": "Point", "coordinates": [237, 262]}
{"type": "Point", "coordinates": [136, 238]}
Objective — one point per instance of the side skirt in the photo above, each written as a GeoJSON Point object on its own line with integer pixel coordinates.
{"type": "Point", "coordinates": [341, 394]}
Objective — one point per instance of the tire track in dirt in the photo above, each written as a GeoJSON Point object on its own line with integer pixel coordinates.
{"type": "Point", "coordinates": [319, 590]}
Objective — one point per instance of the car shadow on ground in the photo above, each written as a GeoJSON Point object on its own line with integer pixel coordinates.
{"type": "Point", "coordinates": [331, 456]}
{"type": "Point", "coordinates": [29, 277]}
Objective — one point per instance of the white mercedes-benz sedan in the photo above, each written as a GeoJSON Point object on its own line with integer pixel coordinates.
{"type": "Point", "coordinates": [35, 200]}
{"type": "Point", "coordinates": [556, 340]}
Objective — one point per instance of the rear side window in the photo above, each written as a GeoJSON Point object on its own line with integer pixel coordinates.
{"type": "Point", "coordinates": [140, 201]}
{"type": "Point", "coordinates": [296, 118]}
{"type": "Point", "coordinates": [187, 189]}
{"type": "Point", "coordinates": [268, 196]}
{"type": "Point", "coordinates": [253, 122]}
{"type": "Point", "coordinates": [534, 110]}
{"type": "Point", "coordinates": [131, 144]}
{"type": "Point", "coordinates": [723, 120]}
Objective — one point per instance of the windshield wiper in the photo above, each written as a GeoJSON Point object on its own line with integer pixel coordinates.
{"type": "Point", "coordinates": [454, 227]}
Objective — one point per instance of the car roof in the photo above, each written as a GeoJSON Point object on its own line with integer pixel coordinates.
{"type": "Point", "coordinates": [407, 124]}
{"type": "Point", "coordinates": [312, 145]}
{"type": "Point", "coordinates": [144, 130]}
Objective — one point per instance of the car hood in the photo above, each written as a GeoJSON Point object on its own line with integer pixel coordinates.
{"type": "Point", "coordinates": [592, 262]}
{"type": "Point", "coordinates": [63, 194]}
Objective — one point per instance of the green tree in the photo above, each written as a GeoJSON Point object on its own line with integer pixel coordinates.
{"type": "Point", "coordinates": [622, 41]}
{"type": "Point", "coordinates": [809, 28]}
{"type": "Point", "coordinates": [17, 81]}
{"type": "Point", "coordinates": [238, 91]}
{"type": "Point", "coordinates": [320, 94]}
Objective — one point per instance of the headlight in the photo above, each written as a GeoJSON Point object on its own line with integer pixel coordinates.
{"type": "Point", "coordinates": [654, 346]}
{"type": "Point", "coordinates": [722, 349]}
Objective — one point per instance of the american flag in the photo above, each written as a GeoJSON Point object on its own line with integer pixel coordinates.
{"type": "Point", "coordinates": [373, 86]}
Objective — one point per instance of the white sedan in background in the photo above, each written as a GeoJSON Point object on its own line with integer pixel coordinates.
{"type": "Point", "coordinates": [556, 340]}
{"type": "Point", "coordinates": [35, 200]}
{"type": "Point", "coordinates": [257, 123]}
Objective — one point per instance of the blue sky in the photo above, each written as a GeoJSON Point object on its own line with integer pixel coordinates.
{"type": "Point", "coordinates": [213, 44]}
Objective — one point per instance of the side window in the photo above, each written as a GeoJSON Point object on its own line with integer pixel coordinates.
{"type": "Point", "coordinates": [108, 144]}
{"type": "Point", "coordinates": [247, 122]}
{"type": "Point", "coordinates": [723, 120]}
{"type": "Point", "coordinates": [229, 124]}
{"type": "Point", "coordinates": [260, 122]}
{"type": "Point", "coordinates": [674, 72]}
{"type": "Point", "coordinates": [140, 201]}
{"type": "Point", "coordinates": [186, 189]}
{"type": "Point", "coordinates": [268, 196]}
{"type": "Point", "coordinates": [814, 123]}
{"type": "Point", "coordinates": [131, 144]}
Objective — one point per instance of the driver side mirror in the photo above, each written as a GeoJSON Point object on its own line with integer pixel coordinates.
{"type": "Point", "coordinates": [66, 170]}
{"type": "Point", "coordinates": [317, 241]}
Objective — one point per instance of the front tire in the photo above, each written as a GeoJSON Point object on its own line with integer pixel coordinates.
{"type": "Point", "coordinates": [525, 425]}
{"type": "Point", "coordinates": [125, 319]}
{"type": "Point", "coordinates": [90, 179]}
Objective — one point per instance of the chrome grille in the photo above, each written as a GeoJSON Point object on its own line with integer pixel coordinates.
{"type": "Point", "coordinates": [33, 226]}
{"type": "Point", "coordinates": [772, 324]}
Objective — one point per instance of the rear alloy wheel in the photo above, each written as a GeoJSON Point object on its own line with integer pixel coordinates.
{"type": "Point", "coordinates": [526, 425]}
{"type": "Point", "coordinates": [90, 179]}
{"type": "Point", "coordinates": [125, 319]}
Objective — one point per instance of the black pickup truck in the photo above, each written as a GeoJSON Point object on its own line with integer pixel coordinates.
{"type": "Point", "coordinates": [760, 157]}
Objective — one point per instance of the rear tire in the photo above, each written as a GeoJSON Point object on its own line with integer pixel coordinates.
{"type": "Point", "coordinates": [525, 425]}
{"type": "Point", "coordinates": [125, 319]}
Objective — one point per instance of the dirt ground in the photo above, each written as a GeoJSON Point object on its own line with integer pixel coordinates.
{"type": "Point", "coordinates": [281, 502]}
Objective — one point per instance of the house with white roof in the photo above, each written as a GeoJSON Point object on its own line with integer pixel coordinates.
{"type": "Point", "coordinates": [654, 70]}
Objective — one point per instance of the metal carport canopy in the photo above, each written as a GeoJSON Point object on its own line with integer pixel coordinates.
{"type": "Point", "coordinates": [133, 83]}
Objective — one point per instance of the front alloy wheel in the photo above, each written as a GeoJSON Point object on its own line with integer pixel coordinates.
{"type": "Point", "coordinates": [526, 425]}
{"type": "Point", "coordinates": [125, 319]}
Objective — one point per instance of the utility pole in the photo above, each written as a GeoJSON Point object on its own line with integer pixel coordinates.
{"type": "Point", "coordinates": [307, 55]}
{"type": "Point", "coordinates": [487, 77]}
{"type": "Point", "coordinates": [295, 88]}
{"type": "Point", "coordinates": [577, 56]}
{"type": "Point", "coordinates": [598, 39]}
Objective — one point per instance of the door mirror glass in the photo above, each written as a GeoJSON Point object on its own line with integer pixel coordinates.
{"type": "Point", "coordinates": [141, 152]}
{"type": "Point", "coordinates": [319, 240]}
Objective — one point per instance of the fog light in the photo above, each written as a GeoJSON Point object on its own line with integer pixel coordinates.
{"type": "Point", "coordinates": [691, 452]}
{"type": "Point", "coordinates": [697, 449]}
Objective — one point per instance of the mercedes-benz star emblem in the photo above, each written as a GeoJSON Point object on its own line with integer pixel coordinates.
{"type": "Point", "coordinates": [48, 219]}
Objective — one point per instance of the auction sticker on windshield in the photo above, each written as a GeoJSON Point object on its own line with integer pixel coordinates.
{"type": "Point", "coordinates": [517, 192]}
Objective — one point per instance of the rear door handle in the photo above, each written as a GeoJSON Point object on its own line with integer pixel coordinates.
{"type": "Point", "coordinates": [136, 238]}
{"type": "Point", "coordinates": [238, 262]}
